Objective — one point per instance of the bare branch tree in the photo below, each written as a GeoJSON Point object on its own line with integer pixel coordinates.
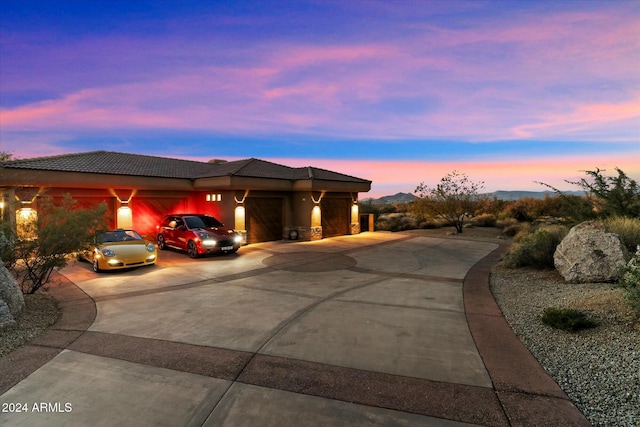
{"type": "Point", "coordinates": [453, 199]}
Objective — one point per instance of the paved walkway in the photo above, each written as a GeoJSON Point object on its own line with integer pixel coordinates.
{"type": "Point", "coordinates": [377, 329]}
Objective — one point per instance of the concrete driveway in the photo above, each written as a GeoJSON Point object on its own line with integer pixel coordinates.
{"type": "Point", "coordinates": [387, 329]}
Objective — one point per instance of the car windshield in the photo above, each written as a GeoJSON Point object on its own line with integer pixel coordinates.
{"type": "Point", "coordinates": [118, 236]}
{"type": "Point", "coordinates": [203, 221]}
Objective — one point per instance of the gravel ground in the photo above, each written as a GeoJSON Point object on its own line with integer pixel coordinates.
{"type": "Point", "coordinates": [40, 312]}
{"type": "Point", "coordinates": [599, 369]}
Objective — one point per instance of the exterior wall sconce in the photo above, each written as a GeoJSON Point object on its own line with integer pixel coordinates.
{"type": "Point", "coordinates": [355, 213]}
{"type": "Point", "coordinates": [25, 221]}
{"type": "Point", "coordinates": [316, 216]}
{"type": "Point", "coordinates": [124, 216]}
{"type": "Point", "coordinates": [26, 213]}
{"type": "Point", "coordinates": [240, 216]}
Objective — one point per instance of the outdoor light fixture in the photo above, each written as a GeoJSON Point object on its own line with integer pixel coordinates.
{"type": "Point", "coordinates": [316, 218]}
{"type": "Point", "coordinates": [240, 218]}
{"type": "Point", "coordinates": [125, 216]}
{"type": "Point", "coordinates": [239, 212]}
{"type": "Point", "coordinates": [25, 220]}
{"type": "Point", "coordinates": [354, 213]}
{"type": "Point", "coordinates": [25, 213]}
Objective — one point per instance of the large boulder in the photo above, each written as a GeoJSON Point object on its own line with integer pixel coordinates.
{"type": "Point", "coordinates": [588, 254]}
{"type": "Point", "coordinates": [11, 299]}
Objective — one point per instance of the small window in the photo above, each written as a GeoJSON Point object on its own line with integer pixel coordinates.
{"type": "Point", "coordinates": [213, 197]}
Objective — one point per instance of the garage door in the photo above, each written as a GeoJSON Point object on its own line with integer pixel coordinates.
{"type": "Point", "coordinates": [335, 217]}
{"type": "Point", "coordinates": [264, 219]}
{"type": "Point", "coordinates": [149, 211]}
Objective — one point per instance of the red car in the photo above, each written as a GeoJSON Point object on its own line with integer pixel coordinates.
{"type": "Point", "coordinates": [197, 234]}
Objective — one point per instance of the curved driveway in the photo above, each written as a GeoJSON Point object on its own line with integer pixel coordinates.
{"type": "Point", "coordinates": [372, 329]}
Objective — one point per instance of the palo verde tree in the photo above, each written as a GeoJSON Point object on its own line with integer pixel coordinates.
{"type": "Point", "coordinates": [43, 241]}
{"type": "Point", "coordinates": [453, 199]}
{"type": "Point", "coordinates": [610, 195]}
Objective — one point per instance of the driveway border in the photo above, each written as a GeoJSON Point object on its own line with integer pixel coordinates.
{"type": "Point", "coordinates": [528, 395]}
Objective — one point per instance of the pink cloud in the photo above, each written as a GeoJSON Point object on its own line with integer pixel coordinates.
{"type": "Point", "coordinates": [584, 117]}
{"type": "Point", "coordinates": [526, 90]}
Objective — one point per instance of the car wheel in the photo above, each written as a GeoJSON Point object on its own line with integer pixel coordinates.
{"type": "Point", "coordinates": [192, 250]}
{"type": "Point", "coordinates": [96, 266]}
{"type": "Point", "coordinates": [161, 244]}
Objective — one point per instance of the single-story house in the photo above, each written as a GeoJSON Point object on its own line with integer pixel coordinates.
{"type": "Point", "coordinates": [263, 200]}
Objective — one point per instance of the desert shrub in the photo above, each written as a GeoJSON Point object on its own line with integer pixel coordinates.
{"type": "Point", "coordinates": [489, 205]}
{"type": "Point", "coordinates": [522, 230]}
{"type": "Point", "coordinates": [7, 245]}
{"type": "Point", "coordinates": [608, 195]}
{"type": "Point", "coordinates": [512, 228]}
{"type": "Point", "coordinates": [396, 222]}
{"type": "Point", "coordinates": [506, 222]}
{"type": "Point", "coordinates": [567, 319]}
{"type": "Point", "coordinates": [453, 199]}
{"type": "Point", "coordinates": [430, 224]}
{"type": "Point", "coordinates": [42, 243]}
{"type": "Point", "coordinates": [627, 228]}
{"type": "Point", "coordinates": [524, 209]}
{"type": "Point", "coordinates": [484, 220]}
{"type": "Point", "coordinates": [630, 281]}
{"type": "Point", "coordinates": [574, 209]}
{"type": "Point", "coordinates": [536, 249]}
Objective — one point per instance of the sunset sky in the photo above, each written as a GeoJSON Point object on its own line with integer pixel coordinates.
{"type": "Point", "coordinates": [398, 92]}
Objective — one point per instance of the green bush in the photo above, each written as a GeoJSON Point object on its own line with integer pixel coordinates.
{"type": "Point", "coordinates": [627, 228]}
{"type": "Point", "coordinates": [567, 319]}
{"type": "Point", "coordinates": [484, 220]}
{"type": "Point", "coordinates": [630, 281]}
{"type": "Point", "coordinates": [536, 249]}
{"type": "Point", "coordinates": [42, 243]}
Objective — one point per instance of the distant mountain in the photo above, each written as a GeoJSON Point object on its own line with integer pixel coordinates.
{"type": "Point", "coordinates": [515, 195]}
{"type": "Point", "coordinates": [500, 195]}
{"type": "Point", "coordinates": [396, 198]}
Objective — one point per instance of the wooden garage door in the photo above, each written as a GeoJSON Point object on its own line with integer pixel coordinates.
{"type": "Point", "coordinates": [335, 217]}
{"type": "Point", "coordinates": [264, 219]}
{"type": "Point", "coordinates": [148, 212]}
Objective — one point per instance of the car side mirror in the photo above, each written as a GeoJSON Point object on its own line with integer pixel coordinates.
{"type": "Point", "coordinates": [181, 227]}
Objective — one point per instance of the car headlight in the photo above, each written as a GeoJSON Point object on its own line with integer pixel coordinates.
{"type": "Point", "coordinates": [151, 247]}
{"type": "Point", "coordinates": [209, 242]}
{"type": "Point", "coordinates": [203, 235]}
{"type": "Point", "coordinates": [237, 238]}
{"type": "Point", "coordinates": [108, 252]}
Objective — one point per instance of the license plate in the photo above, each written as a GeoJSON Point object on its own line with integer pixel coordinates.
{"type": "Point", "coordinates": [227, 248]}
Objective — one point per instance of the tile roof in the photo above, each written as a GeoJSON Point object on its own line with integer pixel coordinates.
{"type": "Point", "coordinates": [114, 163]}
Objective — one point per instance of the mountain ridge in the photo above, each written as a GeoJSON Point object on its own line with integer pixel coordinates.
{"type": "Point", "coordinates": [507, 195]}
